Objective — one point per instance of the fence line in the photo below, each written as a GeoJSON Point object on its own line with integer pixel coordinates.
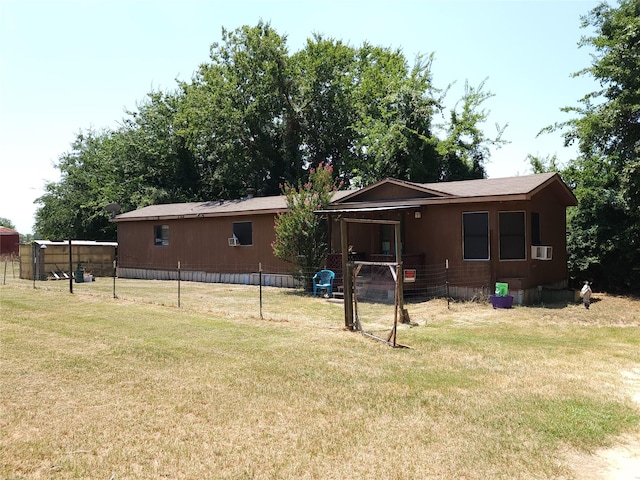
{"type": "Point", "coordinates": [430, 281]}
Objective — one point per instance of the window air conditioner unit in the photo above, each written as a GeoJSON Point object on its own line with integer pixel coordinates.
{"type": "Point", "coordinates": [233, 241]}
{"type": "Point", "coordinates": [541, 253]}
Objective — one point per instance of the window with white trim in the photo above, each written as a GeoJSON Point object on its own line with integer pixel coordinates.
{"type": "Point", "coordinates": [512, 236]}
{"type": "Point", "coordinates": [475, 235]}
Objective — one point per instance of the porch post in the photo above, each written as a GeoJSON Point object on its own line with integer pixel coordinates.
{"type": "Point", "coordinates": [400, 274]}
{"type": "Point", "coordinates": [347, 280]}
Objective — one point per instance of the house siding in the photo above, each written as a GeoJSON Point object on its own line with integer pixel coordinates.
{"type": "Point", "coordinates": [437, 238]}
{"type": "Point", "coordinates": [431, 217]}
{"type": "Point", "coordinates": [9, 241]}
{"type": "Point", "coordinates": [199, 244]}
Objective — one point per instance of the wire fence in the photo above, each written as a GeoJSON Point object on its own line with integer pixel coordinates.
{"type": "Point", "coordinates": [375, 283]}
{"type": "Point", "coordinates": [424, 281]}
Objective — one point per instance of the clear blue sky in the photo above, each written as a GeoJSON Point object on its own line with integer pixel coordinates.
{"type": "Point", "coordinates": [66, 66]}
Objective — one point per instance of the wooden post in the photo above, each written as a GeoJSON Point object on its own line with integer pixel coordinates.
{"type": "Point", "coordinates": [260, 280]}
{"type": "Point", "coordinates": [446, 266]}
{"type": "Point", "coordinates": [400, 273]}
{"type": "Point", "coordinates": [70, 268]}
{"type": "Point", "coordinates": [33, 252]}
{"type": "Point", "coordinates": [347, 280]}
{"type": "Point", "coordinates": [178, 283]}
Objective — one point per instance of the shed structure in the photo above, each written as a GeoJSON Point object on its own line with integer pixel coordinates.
{"type": "Point", "coordinates": [9, 241]}
{"type": "Point", "coordinates": [47, 257]}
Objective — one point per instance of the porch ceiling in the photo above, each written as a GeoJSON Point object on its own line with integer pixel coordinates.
{"type": "Point", "coordinates": [366, 209]}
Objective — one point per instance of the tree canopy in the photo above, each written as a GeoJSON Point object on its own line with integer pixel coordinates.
{"type": "Point", "coordinates": [604, 230]}
{"type": "Point", "coordinates": [5, 222]}
{"type": "Point", "coordinates": [256, 116]}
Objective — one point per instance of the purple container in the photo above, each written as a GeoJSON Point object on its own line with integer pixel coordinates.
{"type": "Point", "coordinates": [501, 302]}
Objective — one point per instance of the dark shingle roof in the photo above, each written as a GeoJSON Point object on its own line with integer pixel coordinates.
{"type": "Point", "coordinates": [247, 206]}
{"type": "Point", "coordinates": [487, 189]}
{"type": "Point", "coordinates": [519, 185]}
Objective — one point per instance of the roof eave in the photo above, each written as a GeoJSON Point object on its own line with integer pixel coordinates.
{"type": "Point", "coordinates": [569, 196]}
{"type": "Point", "coordinates": [234, 213]}
{"type": "Point", "coordinates": [414, 186]}
{"type": "Point", "coordinates": [418, 202]}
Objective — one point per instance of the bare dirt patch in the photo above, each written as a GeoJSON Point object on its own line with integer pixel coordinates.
{"type": "Point", "coordinates": [620, 462]}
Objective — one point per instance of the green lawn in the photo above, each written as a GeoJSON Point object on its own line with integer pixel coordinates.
{"type": "Point", "coordinates": [135, 388]}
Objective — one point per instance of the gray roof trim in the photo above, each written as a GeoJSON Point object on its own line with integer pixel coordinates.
{"type": "Point", "coordinates": [366, 209]}
{"type": "Point", "coordinates": [82, 243]}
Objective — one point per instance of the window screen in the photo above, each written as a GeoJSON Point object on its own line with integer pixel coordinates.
{"type": "Point", "coordinates": [161, 234]}
{"type": "Point", "coordinates": [475, 227]}
{"type": "Point", "coordinates": [512, 238]}
{"type": "Point", "coordinates": [243, 232]}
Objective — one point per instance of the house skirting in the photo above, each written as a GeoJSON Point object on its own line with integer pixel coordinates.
{"type": "Point", "coordinates": [268, 279]}
{"type": "Point", "coordinates": [366, 291]}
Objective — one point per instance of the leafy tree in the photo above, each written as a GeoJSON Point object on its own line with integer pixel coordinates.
{"type": "Point", "coordinates": [301, 235]}
{"type": "Point", "coordinates": [543, 165]}
{"type": "Point", "coordinates": [396, 123]}
{"type": "Point", "coordinates": [466, 146]}
{"type": "Point", "coordinates": [604, 231]}
{"type": "Point", "coordinates": [5, 222]}
{"type": "Point", "coordinates": [153, 157]}
{"type": "Point", "coordinates": [75, 206]}
{"type": "Point", "coordinates": [325, 104]}
{"type": "Point", "coordinates": [257, 117]}
{"type": "Point", "coordinates": [237, 117]}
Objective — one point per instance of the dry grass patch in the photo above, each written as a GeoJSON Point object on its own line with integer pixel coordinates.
{"type": "Point", "coordinates": [134, 387]}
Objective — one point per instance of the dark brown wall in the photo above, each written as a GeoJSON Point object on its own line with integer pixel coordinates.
{"type": "Point", "coordinates": [199, 244]}
{"type": "Point", "coordinates": [9, 244]}
{"type": "Point", "coordinates": [202, 243]}
{"type": "Point", "coordinates": [390, 191]}
{"type": "Point", "coordinates": [437, 236]}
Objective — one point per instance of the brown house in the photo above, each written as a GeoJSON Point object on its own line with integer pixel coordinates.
{"type": "Point", "coordinates": [510, 230]}
{"type": "Point", "coordinates": [218, 241]}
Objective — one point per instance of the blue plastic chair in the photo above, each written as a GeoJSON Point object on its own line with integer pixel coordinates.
{"type": "Point", "coordinates": [323, 280]}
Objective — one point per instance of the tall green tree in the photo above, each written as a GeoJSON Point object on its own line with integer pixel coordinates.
{"type": "Point", "coordinates": [256, 117]}
{"type": "Point", "coordinates": [154, 161]}
{"type": "Point", "coordinates": [74, 207]}
{"type": "Point", "coordinates": [323, 97]}
{"type": "Point", "coordinates": [396, 124]}
{"type": "Point", "coordinates": [466, 146]}
{"type": "Point", "coordinates": [237, 115]}
{"type": "Point", "coordinates": [604, 231]}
